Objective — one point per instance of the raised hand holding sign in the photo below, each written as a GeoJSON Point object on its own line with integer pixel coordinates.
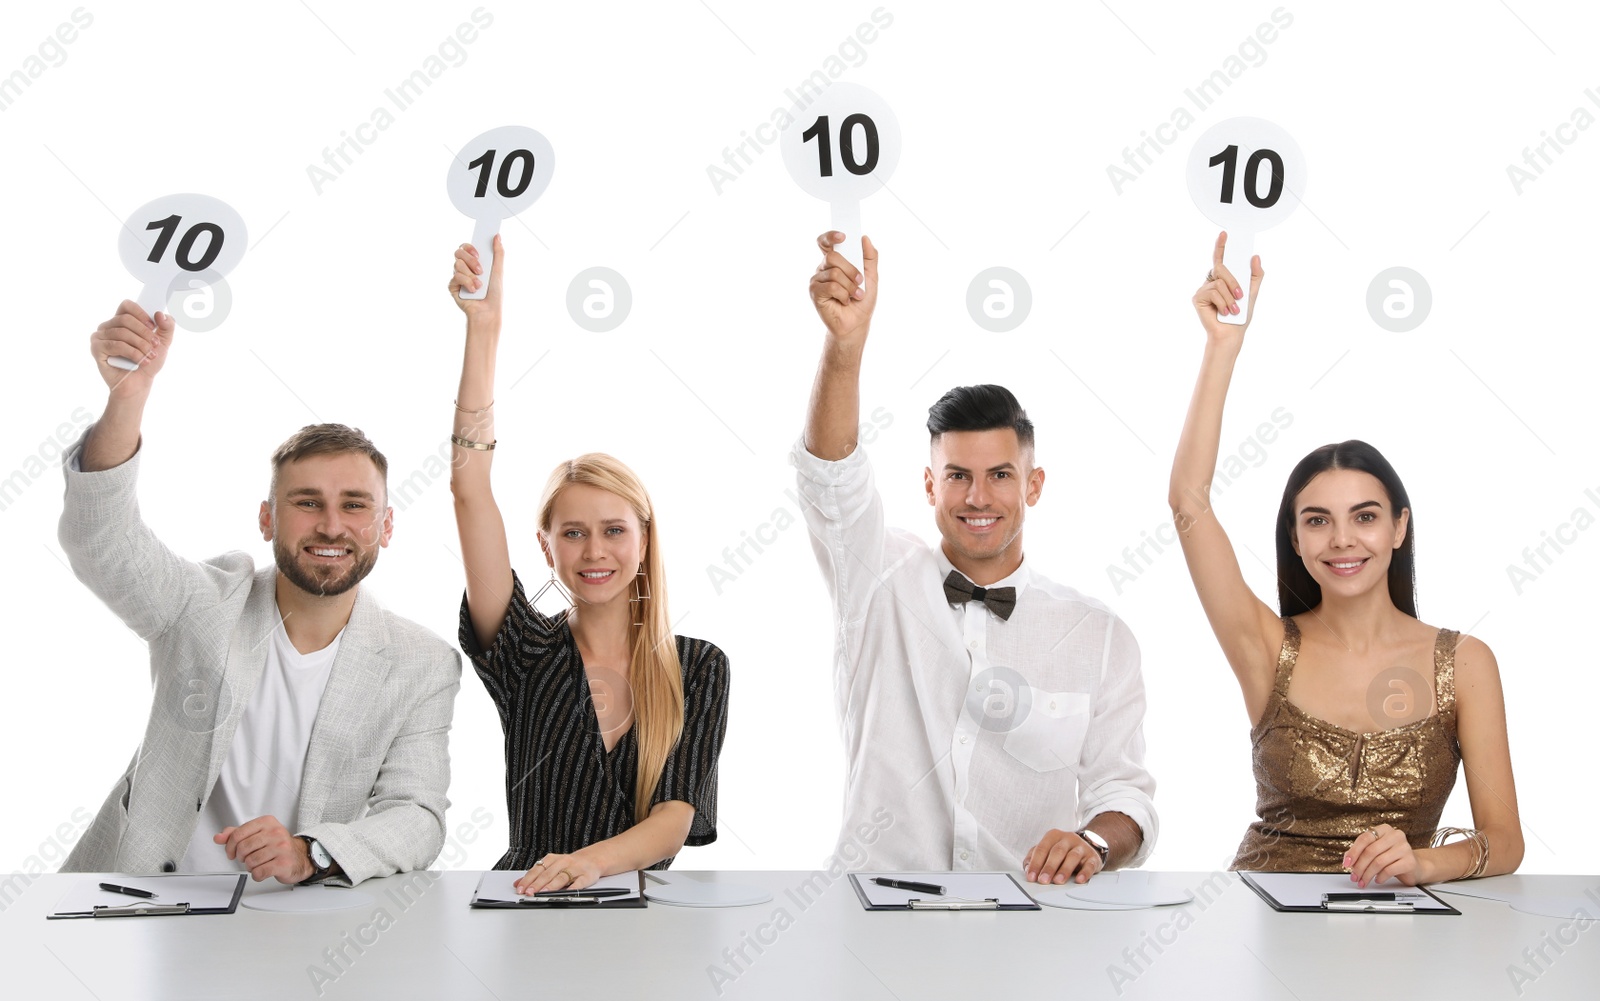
{"type": "Point", "coordinates": [841, 148]}
{"type": "Point", "coordinates": [184, 240]}
{"type": "Point", "coordinates": [494, 177]}
{"type": "Point", "coordinates": [1245, 175]}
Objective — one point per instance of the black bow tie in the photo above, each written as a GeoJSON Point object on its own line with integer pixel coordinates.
{"type": "Point", "coordinates": [1002, 601]}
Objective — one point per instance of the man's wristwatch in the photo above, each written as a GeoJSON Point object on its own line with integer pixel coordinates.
{"type": "Point", "coordinates": [321, 861]}
{"type": "Point", "coordinates": [1098, 843]}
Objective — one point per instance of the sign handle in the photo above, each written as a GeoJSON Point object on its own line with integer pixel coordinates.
{"type": "Point", "coordinates": [847, 220]}
{"type": "Point", "coordinates": [483, 233]}
{"type": "Point", "coordinates": [1236, 258]}
{"type": "Point", "coordinates": [150, 300]}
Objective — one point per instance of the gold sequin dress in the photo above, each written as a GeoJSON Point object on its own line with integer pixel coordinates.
{"type": "Point", "coordinates": [1319, 785]}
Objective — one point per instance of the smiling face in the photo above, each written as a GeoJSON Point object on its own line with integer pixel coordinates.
{"type": "Point", "coordinates": [980, 483]}
{"type": "Point", "coordinates": [327, 519]}
{"type": "Point", "coordinates": [594, 542]}
{"type": "Point", "coordinates": [1346, 531]}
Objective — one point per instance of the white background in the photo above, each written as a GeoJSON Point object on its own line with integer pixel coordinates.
{"type": "Point", "coordinates": [1011, 114]}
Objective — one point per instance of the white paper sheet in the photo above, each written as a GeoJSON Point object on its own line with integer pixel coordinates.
{"type": "Point", "coordinates": [686, 892]}
{"type": "Point", "coordinates": [301, 899]}
{"type": "Point", "coordinates": [959, 887]}
{"type": "Point", "coordinates": [1480, 892]}
{"type": "Point", "coordinates": [1129, 888]}
{"type": "Point", "coordinates": [1305, 889]}
{"type": "Point", "coordinates": [1056, 896]}
{"type": "Point", "coordinates": [1549, 905]}
{"type": "Point", "coordinates": [496, 885]}
{"type": "Point", "coordinates": [210, 890]}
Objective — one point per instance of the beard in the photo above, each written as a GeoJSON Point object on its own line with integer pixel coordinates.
{"type": "Point", "coordinates": [321, 579]}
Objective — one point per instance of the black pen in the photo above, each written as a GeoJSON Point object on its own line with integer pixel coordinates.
{"type": "Point", "coordinates": [129, 890]}
{"type": "Point", "coordinates": [907, 884]}
{"type": "Point", "coordinates": [605, 892]}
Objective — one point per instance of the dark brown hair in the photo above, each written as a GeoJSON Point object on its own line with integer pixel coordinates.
{"type": "Point", "coordinates": [325, 439]}
{"type": "Point", "coordinates": [1298, 591]}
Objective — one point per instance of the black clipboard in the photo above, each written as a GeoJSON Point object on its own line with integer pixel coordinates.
{"type": "Point", "coordinates": [560, 902]}
{"type": "Point", "coordinates": [136, 908]}
{"type": "Point", "coordinates": [1368, 901]}
{"type": "Point", "coordinates": [945, 903]}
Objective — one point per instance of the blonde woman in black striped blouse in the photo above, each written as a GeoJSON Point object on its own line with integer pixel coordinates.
{"type": "Point", "coordinates": [612, 732]}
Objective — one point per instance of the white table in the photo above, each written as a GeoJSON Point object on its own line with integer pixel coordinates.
{"type": "Point", "coordinates": [431, 945]}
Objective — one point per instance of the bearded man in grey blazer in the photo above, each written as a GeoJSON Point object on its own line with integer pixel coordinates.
{"type": "Point", "coordinates": [298, 730]}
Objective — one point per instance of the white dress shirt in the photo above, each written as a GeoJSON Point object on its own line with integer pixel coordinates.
{"type": "Point", "coordinates": [967, 737]}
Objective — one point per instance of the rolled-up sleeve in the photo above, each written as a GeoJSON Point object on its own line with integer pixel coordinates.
{"type": "Point", "coordinates": [844, 512]}
{"type": "Point", "coordinates": [1112, 776]}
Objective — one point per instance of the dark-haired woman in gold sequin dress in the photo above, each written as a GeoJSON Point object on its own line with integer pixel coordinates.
{"type": "Point", "coordinates": [1360, 712]}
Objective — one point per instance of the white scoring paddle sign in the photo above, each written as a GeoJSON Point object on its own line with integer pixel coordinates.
{"type": "Point", "coordinates": [1245, 175]}
{"type": "Point", "coordinates": [494, 177]}
{"type": "Point", "coordinates": [840, 148]}
{"type": "Point", "coordinates": [185, 240]}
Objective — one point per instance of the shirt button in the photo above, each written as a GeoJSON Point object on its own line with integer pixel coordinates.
{"type": "Point", "coordinates": [963, 856]}
{"type": "Point", "coordinates": [972, 644]}
{"type": "Point", "coordinates": [963, 738]}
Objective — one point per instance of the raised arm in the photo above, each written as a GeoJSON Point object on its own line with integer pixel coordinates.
{"type": "Point", "coordinates": [1247, 629]}
{"type": "Point", "coordinates": [110, 547]}
{"type": "Point", "coordinates": [478, 520]}
{"type": "Point", "coordinates": [133, 335]}
{"type": "Point", "coordinates": [845, 304]}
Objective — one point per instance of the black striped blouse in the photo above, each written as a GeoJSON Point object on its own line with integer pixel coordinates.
{"type": "Point", "coordinates": [563, 790]}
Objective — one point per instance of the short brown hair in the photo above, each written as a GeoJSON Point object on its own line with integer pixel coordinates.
{"type": "Point", "coordinates": [325, 439]}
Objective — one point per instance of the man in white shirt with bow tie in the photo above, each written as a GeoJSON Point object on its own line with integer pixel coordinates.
{"type": "Point", "coordinates": [992, 715]}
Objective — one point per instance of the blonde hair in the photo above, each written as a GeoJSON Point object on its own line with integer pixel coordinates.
{"type": "Point", "coordinates": [655, 675]}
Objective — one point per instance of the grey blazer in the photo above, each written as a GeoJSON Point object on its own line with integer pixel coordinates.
{"type": "Point", "coordinates": [377, 766]}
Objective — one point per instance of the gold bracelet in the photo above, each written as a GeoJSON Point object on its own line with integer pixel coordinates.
{"type": "Point", "coordinates": [1480, 848]}
{"type": "Point", "coordinates": [1482, 841]}
{"type": "Point", "coordinates": [475, 445]}
{"type": "Point", "coordinates": [476, 413]}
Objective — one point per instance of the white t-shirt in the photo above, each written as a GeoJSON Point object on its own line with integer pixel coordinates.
{"type": "Point", "coordinates": [261, 774]}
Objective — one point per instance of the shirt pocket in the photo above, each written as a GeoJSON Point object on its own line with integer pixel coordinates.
{"type": "Point", "coordinates": [1051, 733]}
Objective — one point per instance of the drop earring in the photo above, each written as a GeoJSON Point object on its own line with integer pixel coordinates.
{"type": "Point", "coordinates": [641, 594]}
{"type": "Point", "coordinates": [560, 590]}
